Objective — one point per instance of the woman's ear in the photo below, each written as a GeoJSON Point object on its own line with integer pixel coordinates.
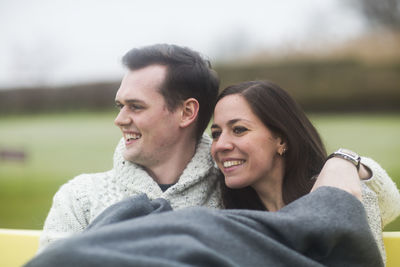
{"type": "Point", "coordinates": [190, 110]}
{"type": "Point", "coordinates": [282, 147]}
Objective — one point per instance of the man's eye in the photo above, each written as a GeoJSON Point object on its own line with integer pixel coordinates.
{"type": "Point", "coordinates": [135, 107]}
{"type": "Point", "coordinates": [215, 134]}
{"type": "Point", "coordinates": [239, 129]}
{"type": "Point", "coordinates": [119, 106]}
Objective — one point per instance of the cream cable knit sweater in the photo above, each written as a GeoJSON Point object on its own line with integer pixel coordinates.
{"type": "Point", "coordinates": [381, 199]}
{"type": "Point", "coordinates": [80, 200]}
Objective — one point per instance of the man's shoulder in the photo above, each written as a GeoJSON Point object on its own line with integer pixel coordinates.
{"type": "Point", "coordinates": [86, 181]}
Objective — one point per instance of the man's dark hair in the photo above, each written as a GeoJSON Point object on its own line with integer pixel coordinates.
{"type": "Point", "coordinates": [188, 76]}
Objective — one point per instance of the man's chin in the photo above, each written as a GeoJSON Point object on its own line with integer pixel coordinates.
{"type": "Point", "coordinates": [129, 156]}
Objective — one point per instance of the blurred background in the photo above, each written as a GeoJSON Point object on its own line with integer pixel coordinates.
{"type": "Point", "coordinates": [60, 69]}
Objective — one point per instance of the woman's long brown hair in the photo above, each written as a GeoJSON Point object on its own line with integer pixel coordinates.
{"type": "Point", "coordinates": [305, 155]}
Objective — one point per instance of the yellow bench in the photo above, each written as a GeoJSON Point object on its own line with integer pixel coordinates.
{"type": "Point", "coordinates": [392, 247]}
{"type": "Point", "coordinates": [18, 246]}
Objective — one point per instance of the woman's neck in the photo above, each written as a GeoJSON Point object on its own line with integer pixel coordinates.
{"type": "Point", "coordinates": [272, 199]}
{"type": "Point", "coordinates": [269, 190]}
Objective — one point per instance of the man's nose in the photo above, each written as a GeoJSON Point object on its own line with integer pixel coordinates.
{"type": "Point", "coordinates": [122, 118]}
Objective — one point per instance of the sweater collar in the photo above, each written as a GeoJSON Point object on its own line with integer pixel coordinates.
{"type": "Point", "coordinates": [134, 179]}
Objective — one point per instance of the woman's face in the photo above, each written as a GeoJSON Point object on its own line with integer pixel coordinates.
{"type": "Point", "coordinates": [244, 149]}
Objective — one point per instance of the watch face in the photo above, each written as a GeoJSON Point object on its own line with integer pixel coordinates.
{"type": "Point", "coordinates": [349, 153]}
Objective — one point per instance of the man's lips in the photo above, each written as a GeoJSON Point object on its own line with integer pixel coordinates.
{"type": "Point", "coordinates": [130, 137]}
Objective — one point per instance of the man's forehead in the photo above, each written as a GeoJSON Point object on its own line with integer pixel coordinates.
{"type": "Point", "coordinates": [138, 96]}
{"type": "Point", "coordinates": [142, 83]}
{"type": "Point", "coordinates": [151, 73]}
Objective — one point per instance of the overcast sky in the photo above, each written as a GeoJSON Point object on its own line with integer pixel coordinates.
{"type": "Point", "coordinates": [70, 41]}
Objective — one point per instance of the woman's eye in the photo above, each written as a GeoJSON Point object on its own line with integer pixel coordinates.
{"type": "Point", "coordinates": [239, 129]}
{"type": "Point", "coordinates": [215, 134]}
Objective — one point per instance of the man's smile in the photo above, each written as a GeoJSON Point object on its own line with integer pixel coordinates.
{"type": "Point", "coordinates": [130, 137]}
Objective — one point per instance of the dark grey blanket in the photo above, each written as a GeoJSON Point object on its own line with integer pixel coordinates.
{"type": "Point", "coordinates": [325, 228]}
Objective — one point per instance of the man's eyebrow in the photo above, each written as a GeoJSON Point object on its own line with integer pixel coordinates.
{"type": "Point", "coordinates": [134, 101]}
{"type": "Point", "coordinates": [130, 101]}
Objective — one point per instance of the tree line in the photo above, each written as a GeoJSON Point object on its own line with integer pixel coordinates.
{"type": "Point", "coordinates": [319, 86]}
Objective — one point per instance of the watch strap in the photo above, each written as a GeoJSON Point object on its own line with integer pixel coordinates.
{"type": "Point", "coordinates": [347, 155]}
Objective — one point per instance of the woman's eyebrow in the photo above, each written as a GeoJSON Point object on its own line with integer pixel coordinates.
{"type": "Point", "coordinates": [230, 123]}
{"type": "Point", "coordinates": [214, 126]}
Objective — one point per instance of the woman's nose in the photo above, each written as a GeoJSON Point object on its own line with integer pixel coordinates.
{"type": "Point", "coordinates": [223, 143]}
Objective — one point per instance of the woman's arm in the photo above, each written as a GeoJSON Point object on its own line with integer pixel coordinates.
{"type": "Point", "coordinates": [339, 173]}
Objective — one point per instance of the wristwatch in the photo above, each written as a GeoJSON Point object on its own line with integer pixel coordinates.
{"type": "Point", "coordinates": [347, 155]}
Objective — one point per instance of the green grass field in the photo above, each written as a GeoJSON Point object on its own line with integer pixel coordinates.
{"type": "Point", "coordinates": [61, 146]}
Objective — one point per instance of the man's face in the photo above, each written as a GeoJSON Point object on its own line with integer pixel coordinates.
{"type": "Point", "coordinates": [149, 128]}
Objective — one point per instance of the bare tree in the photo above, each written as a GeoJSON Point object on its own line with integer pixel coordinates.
{"type": "Point", "coordinates": [383, 13]}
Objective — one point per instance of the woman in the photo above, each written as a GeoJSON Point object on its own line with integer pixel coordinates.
{"type": "Point", "coordinates": [270, 154]}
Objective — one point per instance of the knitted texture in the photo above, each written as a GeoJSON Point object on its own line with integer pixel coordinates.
{"type": "Point", "coordinates": [80, 200]}
{"type": "Point", "coordinates": [386, 190]}
{"type": "Point", "coordinates": [381, 200]}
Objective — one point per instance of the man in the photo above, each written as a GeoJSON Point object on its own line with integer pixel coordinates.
{"type": "Point", "coordinates": [166, 100]}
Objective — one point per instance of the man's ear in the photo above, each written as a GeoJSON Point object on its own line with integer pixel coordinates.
{"type": "Point", "coordinates": [190, 110]}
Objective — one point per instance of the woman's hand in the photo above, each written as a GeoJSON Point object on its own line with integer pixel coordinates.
{"type": "Point", "coordinates": [342, 174]}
